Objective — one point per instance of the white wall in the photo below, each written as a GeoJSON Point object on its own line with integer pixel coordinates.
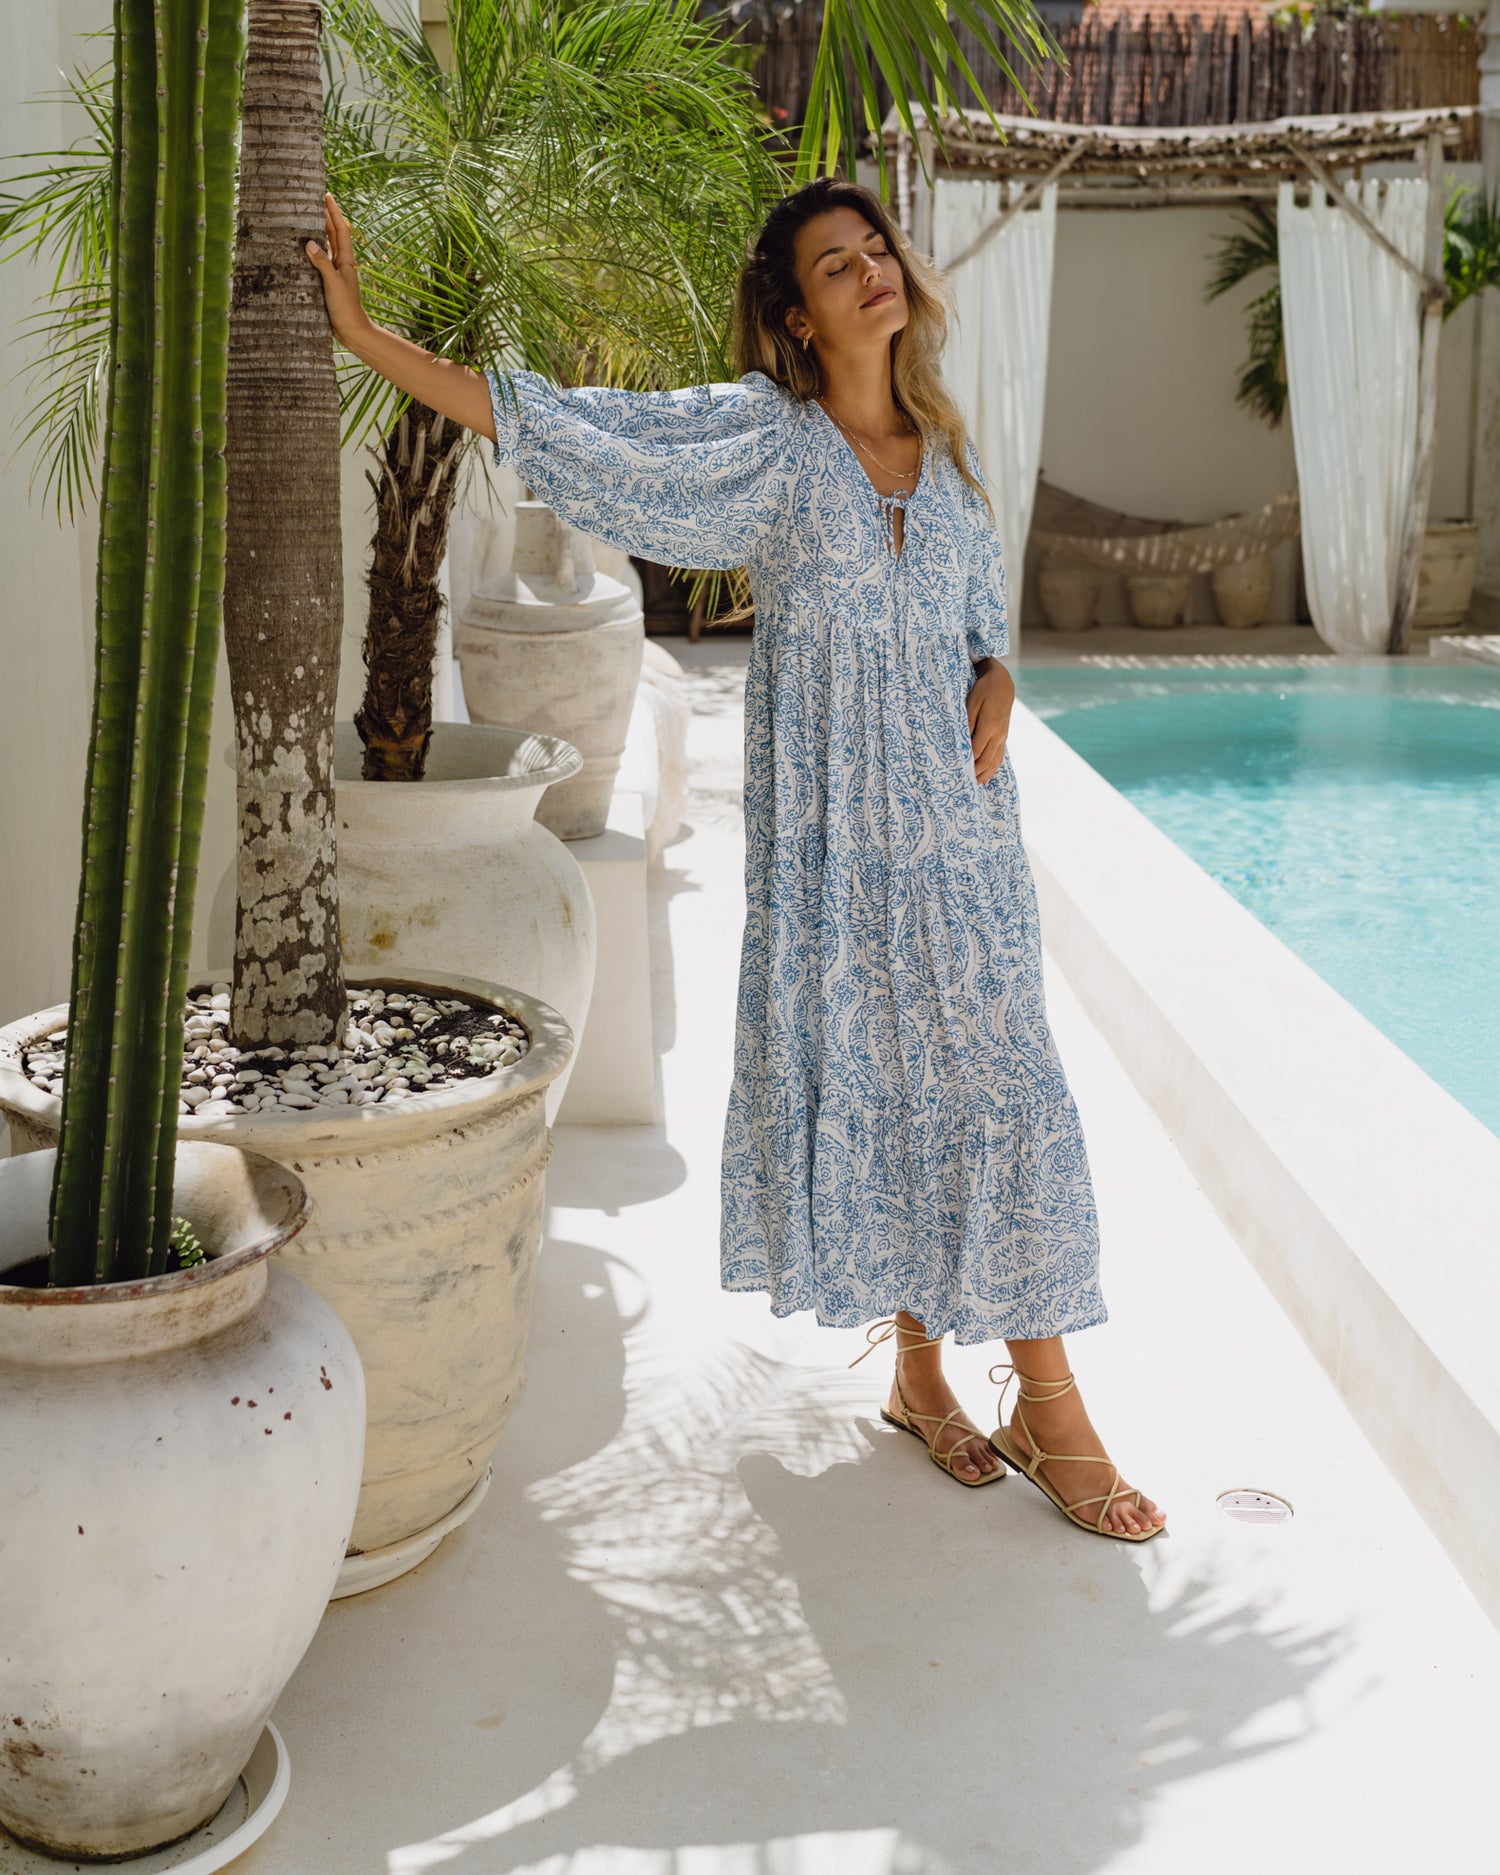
{"type": "Point", "coordinates": [47, 606]}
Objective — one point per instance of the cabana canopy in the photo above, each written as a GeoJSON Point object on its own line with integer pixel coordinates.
{"type": "Point", "coordinates": [1143, 166]}
{"type": "Point", "coordinates": [1346, 315]}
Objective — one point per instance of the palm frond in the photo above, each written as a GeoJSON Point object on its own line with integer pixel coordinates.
{"type": "Point", "coordinates": [912, 45]}
{"type": "Point", "coordinates": [1471, 244]}
{"type": "Point", "coordinates": [1242, 255]}
{"type": "Point", "coordinates": [60, 206]}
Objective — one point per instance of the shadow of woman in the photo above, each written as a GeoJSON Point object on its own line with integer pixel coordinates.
{"type": "Point", "coordinates": [820, 1645]}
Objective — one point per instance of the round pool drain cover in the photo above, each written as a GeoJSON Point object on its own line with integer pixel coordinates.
{"type": "Point", "coordinates": [1254, 1506]}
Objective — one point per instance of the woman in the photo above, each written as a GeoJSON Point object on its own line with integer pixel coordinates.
{"type": "Point", "coordinates": [900, 1135]}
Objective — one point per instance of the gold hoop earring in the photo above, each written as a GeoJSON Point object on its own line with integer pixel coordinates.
{"type": "Point", "coordinates": [807, 341]}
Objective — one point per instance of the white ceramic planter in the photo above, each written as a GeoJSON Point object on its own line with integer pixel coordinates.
{"type": "Point", "coordinates": [453, 872]}
{"type": "Point", "coordinates": [554, 647]}
{"type": "Point", "coordinates": [1242, 591]}
{"type": "Point", "coordinates": [1445, 575]}
{"type": "Point", "coordinates": [179, 1463]}
{"type": "Point", "coordinates": [425, 1236]}
{"type": "Point", "coordinates": [662, 679]}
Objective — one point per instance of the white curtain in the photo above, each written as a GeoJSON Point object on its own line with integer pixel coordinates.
{"type": "Point", "coordinates": [996, 360]}
{"type": "Point", "coordinates": [1350, 319]}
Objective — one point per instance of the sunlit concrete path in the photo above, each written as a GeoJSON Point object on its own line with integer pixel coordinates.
{"type": "Point", "coordinates": [715, 1618]}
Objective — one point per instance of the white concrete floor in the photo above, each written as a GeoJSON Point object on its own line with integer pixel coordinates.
{"type": "Point", "coordinates": [715, 1618]}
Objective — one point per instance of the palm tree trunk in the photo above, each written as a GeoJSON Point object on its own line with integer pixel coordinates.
{"type": "Point", "coordinates": [414, 498]}
{"type": "Point", "coordinates": [283, 593]}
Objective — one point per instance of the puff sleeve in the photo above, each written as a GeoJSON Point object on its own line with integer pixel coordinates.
{"type": "Point", "coordinates": [690, 477]}
{"type": "Point", "coordinates": [987, 618]}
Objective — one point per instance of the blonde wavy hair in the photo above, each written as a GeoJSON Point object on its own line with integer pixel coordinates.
{"type": "Point", "coordinates": [768, 291]}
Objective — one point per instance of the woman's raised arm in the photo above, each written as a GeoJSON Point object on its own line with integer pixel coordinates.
{"type": "Point", "coordinates": [439, 383]}
{"type": "Point", "coordinates": [690, 477]}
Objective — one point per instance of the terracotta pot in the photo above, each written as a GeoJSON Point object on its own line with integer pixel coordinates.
{"type": "Point", "coordinates": [179, 1463]}
{"type": "Point", "coordinates": [553, 647]}
{"type": "Point", "coordinates": [425, 1238]}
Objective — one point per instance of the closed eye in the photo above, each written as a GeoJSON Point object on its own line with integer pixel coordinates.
{"type": "Point", "coordinates": [876, 253]}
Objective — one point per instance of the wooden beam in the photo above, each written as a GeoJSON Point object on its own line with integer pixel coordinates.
{"type": "Point", "coordinates": [1031, 194]}
{"type": "Point", "coordinates": [1415, 529]}
{"type": "Point", "coordinates": [1224, 195]}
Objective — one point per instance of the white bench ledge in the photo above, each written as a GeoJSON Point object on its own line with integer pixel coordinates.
{"type": "Point", "coordinates": [1367, 1197]}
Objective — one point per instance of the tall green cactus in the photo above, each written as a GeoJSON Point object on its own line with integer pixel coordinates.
{"type": "Point", "coordinates": [159, 602]}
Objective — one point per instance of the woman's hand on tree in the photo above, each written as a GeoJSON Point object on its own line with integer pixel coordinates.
{"type": "Point", "coordinates": [334, 260]}
{"type": "Point", "coordinates": [989, 704]}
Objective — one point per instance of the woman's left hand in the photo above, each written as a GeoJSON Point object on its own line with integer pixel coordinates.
{"type": "Point", "coordinates": [990, 698]}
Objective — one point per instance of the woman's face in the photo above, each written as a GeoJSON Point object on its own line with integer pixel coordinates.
{"type": "Point", "coordinates": [853, 289]}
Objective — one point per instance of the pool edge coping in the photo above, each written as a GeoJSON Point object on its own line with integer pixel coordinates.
{"type": "Point", "coordinates": [1328, 1152]}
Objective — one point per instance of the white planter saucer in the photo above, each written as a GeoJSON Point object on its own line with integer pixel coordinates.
{"type": "Point", "coordinates": [373, 1568]}
{"type": "Point", "coordinates": [245, 1815]}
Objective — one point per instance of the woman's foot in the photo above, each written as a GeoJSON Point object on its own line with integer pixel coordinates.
{"type": "Point", "coordinates": [1061, 1424]}
{"type": "Point", "coordinates": [919, 1386]}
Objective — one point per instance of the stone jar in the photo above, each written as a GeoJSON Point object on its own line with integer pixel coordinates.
{"type": "Point", "coordinates": [1242, 591]}
{"type": "Point", "coordinates": [553, 647]}
{"type": "Point", "coordinates": [1069, 595]}
{"type": "Point", "coordinates": [179, 1463]}
{"type": "Point", "coordinates": [1159, 601]}
{"type": "Point", "coordinates": [1445, 575]}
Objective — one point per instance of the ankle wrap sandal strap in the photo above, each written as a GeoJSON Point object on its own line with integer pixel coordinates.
{"type": "Point", "coordinates": [906, 1419]}
{"type": "Point", "coordinates": [947, 1457]}
{"type": "Point", "coordinates": [1038, 1458]}
{"type": "Point", "coordinates": [892, 1327]}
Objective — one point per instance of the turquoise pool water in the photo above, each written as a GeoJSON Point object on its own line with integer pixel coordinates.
{"type": "Point", "coordinates": [1355, 810]}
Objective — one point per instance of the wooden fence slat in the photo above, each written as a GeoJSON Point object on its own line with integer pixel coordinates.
{"type": "Point", "coordinates": [1171, 68]}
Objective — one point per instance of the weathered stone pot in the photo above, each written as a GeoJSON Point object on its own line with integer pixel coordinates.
{"type": "Point", "coordinates": [425, 1236]}
{"type": "Point", "coordinates": [1069, 595]}
{"type": "Point", "coordinates": [179, 1463]}
{"type": "Point", "coordinates": [1445, 575]}
{"type": "Point", "coordinates": [553, 647]}
{"type": "Point", "coordinates": [454, 872]}
{"type": "Point", "coordinates": [1159, 600]}
{"type": "Point", "coordinates": [1242, 591]}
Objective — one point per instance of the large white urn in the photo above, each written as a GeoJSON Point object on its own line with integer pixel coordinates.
{"type": "Point", "coordinates": [179, 1463]}
{"type": "Point", "coordinates": [454, 872]}
{"type": "Point", "coordinates": [425, 1237]}
{"type": "Point", "coordinates": [553, 646]}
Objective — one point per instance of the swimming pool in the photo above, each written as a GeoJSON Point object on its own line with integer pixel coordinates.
{"type": "Point", "coordinates": [1353, 808]}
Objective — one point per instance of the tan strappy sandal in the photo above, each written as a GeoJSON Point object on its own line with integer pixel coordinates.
{"type": "Point", "coordinates": [943, 1460]}
{"type": "Point", "coordinates": [1005, 1445]}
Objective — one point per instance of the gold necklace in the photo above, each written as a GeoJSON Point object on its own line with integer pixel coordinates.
{"type": "Point", "coordinates": [900, 475]}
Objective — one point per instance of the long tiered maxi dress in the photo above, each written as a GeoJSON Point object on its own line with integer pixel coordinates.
{"type": "Point", "coordinates": [900, 1132]}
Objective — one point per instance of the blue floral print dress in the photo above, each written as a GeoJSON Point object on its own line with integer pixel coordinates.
{"type": "Point", "coordinates": [900, 1132]}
